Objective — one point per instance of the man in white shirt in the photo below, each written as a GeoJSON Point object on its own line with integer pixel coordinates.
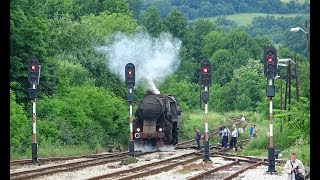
{"type": "Point", "coordinates": [293, 166]}
{"type": "Point", "coordinates": [234, 137]}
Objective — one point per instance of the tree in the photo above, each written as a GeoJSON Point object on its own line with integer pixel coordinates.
{"type": "Point", "coordinates": [186, 94]}
{"type": "Point", "coordinates": [56, 8]}
{"type": "Point", "coordinates": [213, 41]}
{"type": "Point", "coordinates": [27, 38]}
{"type": "Point", "coordinates": [85, 115]}
{"type": "Point", "coordinates": [222, 66]}
{"type": "Point", "coordinates": [20, 126]}
{"type": "Point", "coordinates": [152, 21]}
{"type": "Point", "coordinates": [248, 82]}
{"type": "Point", "coordinates": [177, 23]}
{"type": "Point", "coordinates": [81, 8]}
{"type": "Point", "coordinates": [194, 38]}
{"type": "Point", "coordinates": [136, 8]}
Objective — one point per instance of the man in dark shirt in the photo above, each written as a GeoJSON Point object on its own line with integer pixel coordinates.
{"type": "Point", "coordinates": [198, 137]}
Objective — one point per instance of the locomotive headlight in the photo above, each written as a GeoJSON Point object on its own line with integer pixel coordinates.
{"type": "Point", "coordinates": [160, 129]}
{"type": "Point", "coordinates": [138, 129]}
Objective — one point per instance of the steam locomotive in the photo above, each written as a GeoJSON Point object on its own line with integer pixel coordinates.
{"type": "Point", "coordinates": [157, 120]}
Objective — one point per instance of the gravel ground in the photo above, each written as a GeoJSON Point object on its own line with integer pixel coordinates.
{"type": "Point", "coordinates": [180, 172]}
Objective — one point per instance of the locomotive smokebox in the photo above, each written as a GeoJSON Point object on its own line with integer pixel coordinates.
{"type": "Point", "coordinates": [151, 107]}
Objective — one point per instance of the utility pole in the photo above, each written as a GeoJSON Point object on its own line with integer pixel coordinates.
{"type": "Point", "coordinates": [308, 39]}
{"type": "Point", "coordinates": [286, 90]}
{"type": "Point", "coordinates": [296, 73]}
{"type": "Point", "coordinates": [289, 94]}
{"type": "Point", "coordinates": [281, 101]}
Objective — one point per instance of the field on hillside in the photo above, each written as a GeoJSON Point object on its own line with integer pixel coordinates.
{"type": "Point", "coordinates": [244, 19]}
{"type": "Point", "coordinates": [298, 1]}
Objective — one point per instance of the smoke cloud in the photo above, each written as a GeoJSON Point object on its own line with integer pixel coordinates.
{"type": "Point", "coordinates": [154, 58]}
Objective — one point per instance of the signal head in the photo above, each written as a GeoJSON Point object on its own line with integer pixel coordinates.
{"type": "Point", "coordinates": [33, 70]}
{"type": "Point", "coordinates": [270, 62]}
{"type": "Point", "coordinates": [205, 75]}
{"type": "Point", "coordinates": [130, 75]}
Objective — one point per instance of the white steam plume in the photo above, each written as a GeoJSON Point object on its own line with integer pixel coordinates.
{"type": "Point", "coordinates": [154, 58]}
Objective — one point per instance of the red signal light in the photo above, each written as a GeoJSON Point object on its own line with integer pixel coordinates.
{"type": "Point", "coordinates": [33, 67]}
{"type": "Point", "coordinates": [129, 72]}
{"type": "Point", "coordinates": [269, 59]}
{"type": "Point", "coordinates": [205, 70]}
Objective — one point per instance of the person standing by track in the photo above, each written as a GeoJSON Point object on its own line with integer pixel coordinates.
{"type": "Point", "coordinates": [198, 137]}
{"type": "Point", "coordinates": [251, 131]}
{"type": "Point", "coordinates": [225, 137]}
{"type": "Point", "coordinates": [234, 137]}
{"type": "Point", "coordinates": [255, 131]}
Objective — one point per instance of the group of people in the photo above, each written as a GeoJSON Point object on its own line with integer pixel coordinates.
{"type": "Point", "coordinates": [253, 131]}
{"type": "Point", "coordinates": [225, 135]}
{"type": "Point", "coordinates": [294, 168]}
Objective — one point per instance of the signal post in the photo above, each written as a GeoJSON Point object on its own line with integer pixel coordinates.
{"type": "Point", "coordinates": [270, 71]}
{"type": "Point", "coordinates": [33, 78]}
{"type": "Point", "coordinates": [205, 78]}
{"type": "Point", "coordinates": [130, 82]}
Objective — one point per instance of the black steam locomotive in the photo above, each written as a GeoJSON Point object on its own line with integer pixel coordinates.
{"type": "Point", "coordinates": [157, 120]}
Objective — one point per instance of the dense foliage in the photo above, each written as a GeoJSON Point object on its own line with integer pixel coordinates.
{"type": "Point", "coordinates": [81, 101]}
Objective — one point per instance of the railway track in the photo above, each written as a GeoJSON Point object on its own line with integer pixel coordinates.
{"type": "Point", "coordinates": [238, 164]}
{"type": "Point", "coordinates": [162, 166]}
{"type": "Point", "coordinates": [227, 171]}
{"type": "Point", "coordinates": [28, 174]}
{"type": "Point", "coordinates": [56, 159]}
{"type": "Point", "coordinates": [151, 168]}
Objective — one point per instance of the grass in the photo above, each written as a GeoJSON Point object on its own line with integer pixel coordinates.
{"type": "Point", "coordinates": [129, 160]}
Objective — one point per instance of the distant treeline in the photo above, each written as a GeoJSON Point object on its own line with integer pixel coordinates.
{"type": "Point", "coordinates": [210, 8]}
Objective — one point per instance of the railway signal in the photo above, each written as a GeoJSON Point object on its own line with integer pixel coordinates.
{"type": "Point", "coordinates": [33, 78]}
{"type": "Point", "coordinates": [205, 73]}
{"type": "Point", "coordinates": [33, 70]}
{"type": "Point", "coordinates": [130, 82]}
{"type": "Point", "coordinates": [270, 72]}
{"type": "Point", "coordinates": [205, 80]}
